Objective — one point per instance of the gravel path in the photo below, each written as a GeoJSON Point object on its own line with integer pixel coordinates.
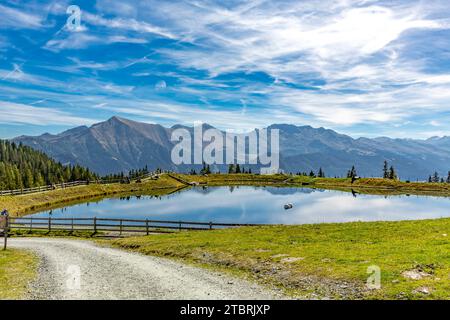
{"type": "Point", "coordinates": [75, 269]}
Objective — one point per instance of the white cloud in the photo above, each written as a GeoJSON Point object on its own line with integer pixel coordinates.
{"type": "Point", "coordinates": [357, 55]}
{"type": "Point", "coordinates": [16, 113]}
{"type": "Point", "coordinates": [256, 37]}
{"type": "Point", "coordinates": [82, 40]}
{"type": "Point", "coordinates": [19, 19]}
{"type": "Point", "coordinates": [141, 74]}
{"type": "Point", "coordinates": [126, 24]}
{"type": "Point", "coordinates": [333, 41]}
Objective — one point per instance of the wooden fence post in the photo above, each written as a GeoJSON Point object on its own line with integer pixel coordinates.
{"type": "Point", "coordinates": [49, 224]}
{"type": "Point", "coordinates": [31, 225]}
{"type": "Point", "coordinates": [95, 224]}
{"type": "Point", "coordinates": [5, 232]}
{"type": "Point", "coordinates": [210, 225]}
{"type": "Point", "coordinates": [179, 225]}
{"type": "Point", "coordinates": [72, 224]}
{"type": "Point", "coordinates": [146, 226]}
{"type": "Point", "coordinates": [121, 222]}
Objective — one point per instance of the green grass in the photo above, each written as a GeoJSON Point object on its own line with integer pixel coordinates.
{"type": "Point", "coordinates": [86, 234]}
{"type": "Point", "coordinates": [21, 204]}
{"type": "Point", "coordinates": [17, 269]}
{"type": "Point", "coordinates": [330, 259]}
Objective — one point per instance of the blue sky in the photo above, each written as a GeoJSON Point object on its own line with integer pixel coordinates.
{"type": "Point", "coordinates": [364, 68]}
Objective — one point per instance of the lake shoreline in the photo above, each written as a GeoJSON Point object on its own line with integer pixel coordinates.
{"type": "Point", "coordinates": [26, 204]}
{"type": "Point", "coordinates": [260, 205]}
{"type": "Point", "coordinates": [374, 186]}
{"type": "Point", "coordinates": [31, 203]}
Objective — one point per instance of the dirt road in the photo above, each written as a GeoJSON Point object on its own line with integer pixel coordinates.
{"type": "Point", "coordinates": [76, 269]}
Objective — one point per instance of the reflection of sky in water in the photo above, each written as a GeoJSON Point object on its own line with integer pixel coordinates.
{"type": "Point", "coordinates": [263, 205]}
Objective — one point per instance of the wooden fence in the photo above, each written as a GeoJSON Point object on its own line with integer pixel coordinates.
{"type": "Point", "coordinates": [69, 185]}
{"type": "Point", "coordinates": [44, 188]}
{"type": "Point", "coordinates": [4, 228]}
{"type": "Point", "coordinates": [95, 225]}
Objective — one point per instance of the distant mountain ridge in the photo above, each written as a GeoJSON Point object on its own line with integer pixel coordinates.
{"type": "Point", "coordinates": [120, 144]}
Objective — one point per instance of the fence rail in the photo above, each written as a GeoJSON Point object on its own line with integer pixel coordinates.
{"type": "Point", "coordinates": [44, 188]}
{"type": "Point", "coordinates": [64, 185]}
{"type": "Point", "coordinates": [95, 225]}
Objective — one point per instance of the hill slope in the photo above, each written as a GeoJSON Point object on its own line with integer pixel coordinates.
{"type": "Point", "coordinates": [24, 167]}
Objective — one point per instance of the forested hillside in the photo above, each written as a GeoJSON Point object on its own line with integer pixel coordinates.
{"type": "Point", "coordinates": [23, 167]}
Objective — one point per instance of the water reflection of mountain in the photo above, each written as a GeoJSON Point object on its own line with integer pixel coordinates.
{"type": "Point", "coordinates": [202, 190]}
{"type": "Point", "coordinates": [271, 190]}
{"type": "Point", "coordinates": [290, 191]}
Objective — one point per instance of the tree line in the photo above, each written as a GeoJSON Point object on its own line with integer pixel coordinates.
{"type": "Point", "coordinates": [232, 169]}
{"type": "Point", "coordinates": [435, 178]}
{"type": "Point", "coordinates": [23, 167]}
{"type": "Point", "coordinates": [132, 175]}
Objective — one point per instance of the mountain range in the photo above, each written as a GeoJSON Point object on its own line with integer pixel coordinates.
{"type": "Point", "coordinates": [120, 144]}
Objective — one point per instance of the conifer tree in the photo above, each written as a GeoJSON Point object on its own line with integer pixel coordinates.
{"type": "Point", "coordinates": [352, 173]}
{"type": "Point", "coordinates": [385, 170]}
{"type": "Point", "coordinates": [24, 167]}
{"type": "Point", "coordinates": [392, 173]}
{"type": "Point", "coordinates": [321, 174]}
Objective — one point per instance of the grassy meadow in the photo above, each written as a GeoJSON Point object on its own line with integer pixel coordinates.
{"type": "Point", "coordinates": [306, 261]}
{"type": "Point", "coordinates": [321, 260]}
{"type": "Point", "coordinates": [17, 269]}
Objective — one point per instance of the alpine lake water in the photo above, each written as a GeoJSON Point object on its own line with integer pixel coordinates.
{"type": "Point", "coordinates": [261, 205]}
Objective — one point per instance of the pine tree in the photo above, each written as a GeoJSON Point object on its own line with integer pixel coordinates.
{"type": "Point", "coordinates": [321, 174]}
{"type": "Point", "coordinates": [205, 169]}
{"type": "Point", "coordinates": [385, 170]}
{"type": "Point", "coordinates": [392, 173]}
{"type": "Point", "coordinates": [352, 173]}
{"type": "Point", "coordinates": [435, 177]}
{"type": "Point", "coordinates": [28, 178]}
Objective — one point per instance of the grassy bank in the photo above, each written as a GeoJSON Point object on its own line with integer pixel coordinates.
{"type": "Point", "coordinates": [324, 260]}
{"type": "Point", "coordinates": [364, 185]}
{"type": "Point", "coordinates": [22, 204]}
{"type": "Point", "coordinates": [17, 269]}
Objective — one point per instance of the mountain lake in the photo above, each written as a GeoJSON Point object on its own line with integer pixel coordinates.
{"type": "Point", "coordinates": [263, 205]}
